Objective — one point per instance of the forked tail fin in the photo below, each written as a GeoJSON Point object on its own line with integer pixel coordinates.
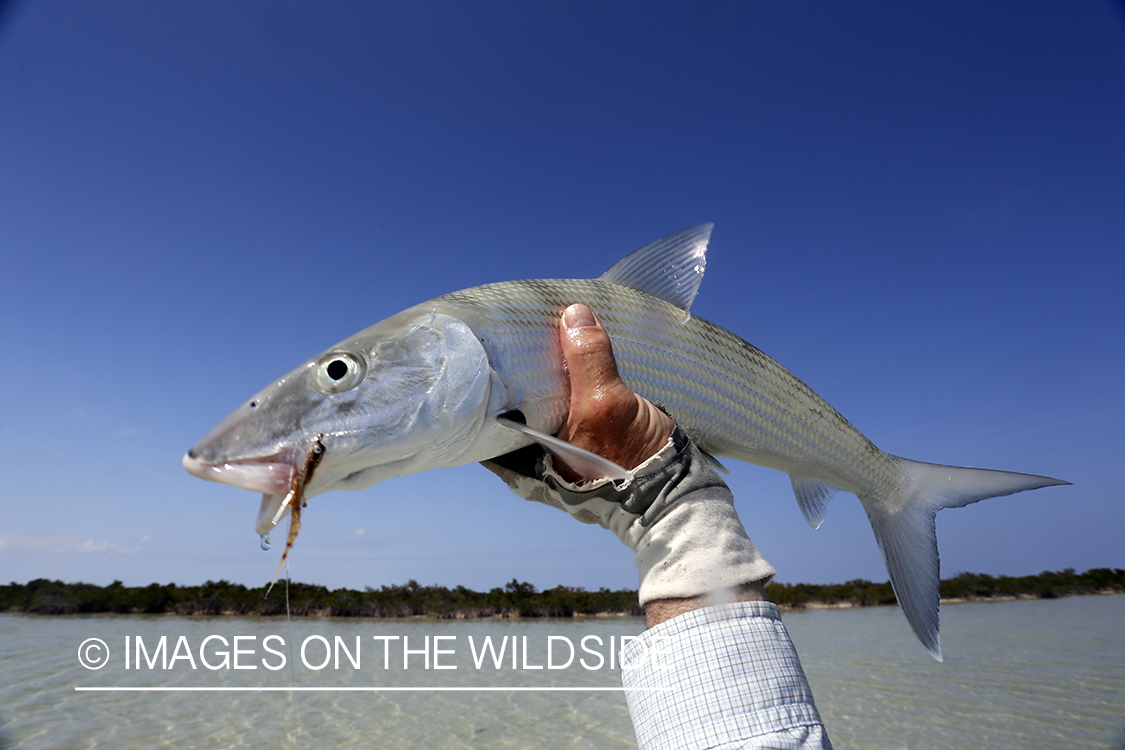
{"type": "Point", "coordinates": [904, 528]}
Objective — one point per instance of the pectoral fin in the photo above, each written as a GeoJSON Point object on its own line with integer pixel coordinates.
{"type": "Point", "coordinates": [589, 465]}
{"type": "Point", "coordinates": [716, 463]}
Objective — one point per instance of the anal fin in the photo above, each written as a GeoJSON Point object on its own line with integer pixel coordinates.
{"type": "Point", "coordinates": [813, 496]}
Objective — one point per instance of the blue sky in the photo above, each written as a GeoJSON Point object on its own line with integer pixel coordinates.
{"type": "Point", "coordinates": [920, 212]}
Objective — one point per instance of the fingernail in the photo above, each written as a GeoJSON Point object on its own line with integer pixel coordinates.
{"type": "Point", "coordinates": [579, 316]}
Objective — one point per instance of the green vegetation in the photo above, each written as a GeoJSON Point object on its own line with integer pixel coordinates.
{"type": "Point", "coordinates": [516, 599]}
{"type": "Point", "coordinates": [970, 586]}
{"type": "Point", "coordinates": [221, 597]}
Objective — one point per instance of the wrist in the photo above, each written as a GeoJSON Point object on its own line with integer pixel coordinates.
{"type": "Point", "coordinates": [659, 610]}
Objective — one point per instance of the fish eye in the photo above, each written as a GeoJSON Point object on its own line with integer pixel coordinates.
{"type": "Point", "coordinates": [339, 371]}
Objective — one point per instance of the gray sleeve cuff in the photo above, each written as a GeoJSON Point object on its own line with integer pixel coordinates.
{"type": "Point", "coordinates": [676, 513]}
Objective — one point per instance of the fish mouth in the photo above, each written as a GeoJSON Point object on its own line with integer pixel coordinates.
{"type": "Point", "coordinates": [269, 475]}
{"type": "Point", "coordinates": [281, 478]}
{"type": "Point", "coordinates": [273, 476]}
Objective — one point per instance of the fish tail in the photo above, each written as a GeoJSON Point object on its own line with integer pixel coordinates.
{"type": "Point", "coordinates": [904, 528]}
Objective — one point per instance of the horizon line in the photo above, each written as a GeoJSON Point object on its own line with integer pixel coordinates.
{"type": "Point", "coordinates": [367, 588]}
{"type": "Point", "coordinates": [359, 689]}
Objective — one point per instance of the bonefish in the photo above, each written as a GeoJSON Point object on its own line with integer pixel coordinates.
{"type": "Point", "coordinates": [477, 373]}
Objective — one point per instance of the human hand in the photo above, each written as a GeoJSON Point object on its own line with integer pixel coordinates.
{"type": "Point", "coordinates": [605, 417]}
{"type": "Point", "coordinates": [675, 511]}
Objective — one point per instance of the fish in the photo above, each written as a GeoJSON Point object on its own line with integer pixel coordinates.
{"type": "Point", "coordinates": [477, 373]}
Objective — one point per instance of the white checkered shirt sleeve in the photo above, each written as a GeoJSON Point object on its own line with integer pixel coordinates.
{"type": "Point", "coordinates": [728, 677]}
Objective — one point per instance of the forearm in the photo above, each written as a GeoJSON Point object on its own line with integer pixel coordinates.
{"type": "Point", "coordinates": [732, 674]}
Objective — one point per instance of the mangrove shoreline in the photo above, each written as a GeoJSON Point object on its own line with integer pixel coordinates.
{"type": "Point", "coordinates": [516, 599]}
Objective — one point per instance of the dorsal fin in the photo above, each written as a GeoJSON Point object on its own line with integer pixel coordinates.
{"type": "Point", "coordinates": [670, 268]}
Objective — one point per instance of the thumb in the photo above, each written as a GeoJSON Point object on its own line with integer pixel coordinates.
{"type": "Point", "coordinates": [589, 357]}
{"type": "Point", "coordinates": [605, 416]}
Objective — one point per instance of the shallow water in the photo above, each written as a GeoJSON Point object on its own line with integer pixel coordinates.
{"type": "Point", "coordinates": [1022, 674]}
{"type": "Point", "coordinates": [1018, 674]}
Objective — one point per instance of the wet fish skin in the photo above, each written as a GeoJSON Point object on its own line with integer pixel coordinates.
{"type": "Point", "coordinates": [439, 377]}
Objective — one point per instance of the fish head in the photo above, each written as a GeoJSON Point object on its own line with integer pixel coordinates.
{"type": "Point", "coordinates": [413, 392]}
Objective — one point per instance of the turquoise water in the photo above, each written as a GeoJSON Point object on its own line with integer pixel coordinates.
{"type": "Point", "coordinates": [1022, 674]}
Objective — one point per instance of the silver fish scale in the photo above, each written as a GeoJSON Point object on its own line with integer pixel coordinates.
{"type": "Point", "coordinates": [734, 400]}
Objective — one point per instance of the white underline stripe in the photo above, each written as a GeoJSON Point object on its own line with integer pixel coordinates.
{"type": "Point", "coordinates": [357, 689]}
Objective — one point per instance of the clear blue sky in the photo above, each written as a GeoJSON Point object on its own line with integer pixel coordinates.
{"type": "Point", "coordinates": [920, 211]}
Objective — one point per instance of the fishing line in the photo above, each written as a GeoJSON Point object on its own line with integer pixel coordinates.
{"type": "Point", "coordinates": [289, 625]}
